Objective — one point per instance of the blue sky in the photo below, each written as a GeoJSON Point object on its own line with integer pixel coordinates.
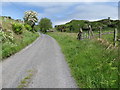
{"type": "Point", "coordinates": [62, 12]}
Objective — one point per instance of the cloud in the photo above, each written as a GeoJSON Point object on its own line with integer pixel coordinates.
{"type": "Point", "coordinates": [49, 4]}
{"type": "Point", "coordinates": [48, 8]}
{"type": "Point", "coordinates": [56, 10]}
{"type": "Point", "coordinates": [84, 11]}
{"type": "Point", "coordinates": [90, 12]}
{"type": "Point", "coordinates": [62, 12]}
{"type": "Point", "coordinates": [60, 0]}
{"type": "Point", "coordinates": [94, 11]}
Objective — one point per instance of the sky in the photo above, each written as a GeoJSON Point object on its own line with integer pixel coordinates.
{"type": "Point", "coordinates": [62, 12]}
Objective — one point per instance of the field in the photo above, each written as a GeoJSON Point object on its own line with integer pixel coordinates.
{"type": "Point", "coordinates": [92, 64]}
{"type": "Point", "coordinates": [11, 42]}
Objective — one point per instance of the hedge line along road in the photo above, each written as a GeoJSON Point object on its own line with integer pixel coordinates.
{"type": "Point", "coordinates": [45, 61]}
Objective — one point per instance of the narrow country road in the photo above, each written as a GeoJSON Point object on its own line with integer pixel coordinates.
{"type": "Point", "coordinates": [45, 59]}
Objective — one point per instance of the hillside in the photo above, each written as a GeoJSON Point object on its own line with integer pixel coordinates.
{"type": "Point", "coordinates": [74, 25]}
{"type": "Point", "coordinates": [12, 41]}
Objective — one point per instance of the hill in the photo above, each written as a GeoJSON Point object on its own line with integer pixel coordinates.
{"type": "Point", "coordinates": [75, 25]}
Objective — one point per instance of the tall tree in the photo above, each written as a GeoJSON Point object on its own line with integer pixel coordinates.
{"type": "Point", "coordinates": [31, 18]}
{"type": "Point", "coordinates": [45, 24]}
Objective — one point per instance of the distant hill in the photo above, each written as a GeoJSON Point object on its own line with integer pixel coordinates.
{"type": "Point", "coordinates": [75, 25]}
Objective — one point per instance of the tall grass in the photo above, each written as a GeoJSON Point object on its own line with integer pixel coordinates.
{"type": "Point", "coordinates": [92, 64]}
{"type": "Point", "coordinates": [9, 48]}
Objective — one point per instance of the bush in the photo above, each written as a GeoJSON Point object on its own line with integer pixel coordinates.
{"type": "Point", "coordinates": [9, 17]}
{"type": "Point", "coordinates": [36, 28]}
{"type": "Point", "coordinates": [28, 27]}
{"type": "Point", "coordinates": [17, 28]}
{"type": "Point", "coordinates": [6, 36]}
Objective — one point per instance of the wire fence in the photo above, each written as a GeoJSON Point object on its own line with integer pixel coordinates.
{"type": "Point", "coordinates": [93, 34]}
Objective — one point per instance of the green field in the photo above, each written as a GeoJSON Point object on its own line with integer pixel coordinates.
{"type": "Point", "coordinates": [92, 64]}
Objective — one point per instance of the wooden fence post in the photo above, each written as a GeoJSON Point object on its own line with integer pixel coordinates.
{"type": "Point", "coordinates": [85, 35]}
{"type": "Point", "coordinates": [80, 36]}
{"type": "Point", "coordinates": [100, 32]}
{"type": "Point", "coordinates": [81, 31]}
{"type": "Point", "coordinates": [115, 36]}
{"type": "Point", "coordinates": [88, 34]}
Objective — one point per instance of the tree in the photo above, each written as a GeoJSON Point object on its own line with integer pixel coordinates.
{"type": "Point", "coordinates": [45, 24]}
{"type": "Point", "coordinates": [31, 18]}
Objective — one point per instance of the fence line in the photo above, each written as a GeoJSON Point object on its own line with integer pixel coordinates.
{"type": "Point", "coordinates": [115, 36]}
{"type": "Point", "coordinates": [90, 34]}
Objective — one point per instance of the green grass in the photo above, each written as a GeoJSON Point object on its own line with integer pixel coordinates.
{"type": "Point", "coordinates": [92, 64]}
{"type": "Point", "coordinates": [9, 48]}
{"type": "Point", "coordinates": [10, 42]}
{"type": "Point", "coordinates": [107, 37]}
{"type": "Point", "coordinates": [25, 81]}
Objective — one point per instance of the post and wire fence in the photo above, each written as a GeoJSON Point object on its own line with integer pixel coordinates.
{"type": "Point", "coordinates": [92, 34]}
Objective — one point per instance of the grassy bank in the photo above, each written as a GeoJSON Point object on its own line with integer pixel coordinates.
{"type": "Point", "coordinates": [11, 42]}
{"type": "Point", "coordinates": [92, 64]}
{"type": "Point", "coordinates": [9, 48]}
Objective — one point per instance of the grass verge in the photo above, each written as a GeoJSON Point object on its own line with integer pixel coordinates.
{"type": "Point", "coordinates": [92, 64]}
{"type": "Point", "coordinates": [9, 48]}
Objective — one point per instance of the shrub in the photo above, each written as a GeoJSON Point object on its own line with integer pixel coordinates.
{"type": "Point", "coordinates": [28, 27]}
{"type": "Point", "coordinates": [36, 28]}
{"type": "Point", "coordinates": [6, 36]}
{"type": "Point", "coordinates": [17, 28]}
{"type": "Point", "coordinates": [9, 17]}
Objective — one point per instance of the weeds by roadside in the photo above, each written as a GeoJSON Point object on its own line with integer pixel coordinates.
{"type": "Point", "coordinates": [25, 81]}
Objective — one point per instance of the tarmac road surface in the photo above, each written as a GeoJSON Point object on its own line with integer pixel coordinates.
{"type": "Point", "coordinates": [46, 61]}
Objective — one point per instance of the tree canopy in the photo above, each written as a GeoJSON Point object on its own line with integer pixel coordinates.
{"type": "Point", "coordinates": [30, 18]}
{"type": "Point", "coordinates": [45, 24]}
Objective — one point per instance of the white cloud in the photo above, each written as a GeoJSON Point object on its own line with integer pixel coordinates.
{"type": "Point", "coordinates": [54, 10]}
{"type": "Point", "coordinates": [91, 12]}
{"type": "Point", "coordinates": [95, 11]}
{"type": "Point", "coordinates": [60, 0]}
{"type": "Point", "coordinates": [49, 4]}
{"type": "Point", "coordinates": [61, 12]}
{"type": "Point", "coordinates": [49, 8]}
